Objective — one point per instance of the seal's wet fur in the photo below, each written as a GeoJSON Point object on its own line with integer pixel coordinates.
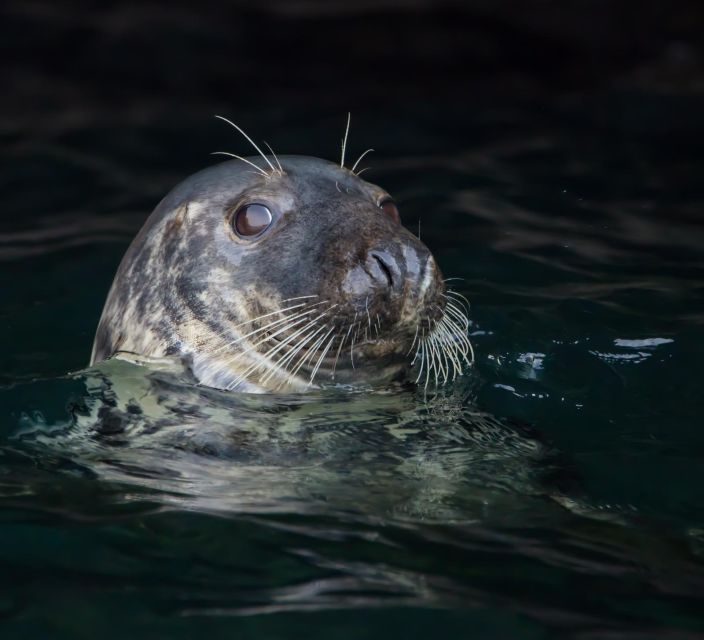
{"type": "Point", "coordinates": [189, 286]}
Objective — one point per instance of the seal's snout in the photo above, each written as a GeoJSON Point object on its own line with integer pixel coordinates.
{"type": "Point", "coordinates": [384, 269]}
{"type": "Point", "coordinates": [401, 268]}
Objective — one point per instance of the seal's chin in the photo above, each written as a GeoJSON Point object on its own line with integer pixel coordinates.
{"type": "Point", "coordinates": [311, 346]}
{"type": "Point", "coordinates": [369, 361]}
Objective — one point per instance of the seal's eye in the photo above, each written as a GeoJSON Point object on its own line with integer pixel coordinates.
{"type": "Point", "coordinates": [389, 207]}
{"type": "Point", "coordinates": [251, 220]}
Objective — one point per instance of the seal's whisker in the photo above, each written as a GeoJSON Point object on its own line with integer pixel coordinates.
{"type": "Point", "coordinates": [354, 339]}
{"type": "Point", "coordinates": [264, 359]}
{"type": "Point", "coordinates": [443, 349]}
{"type": "Point", "coordinates": [429, 362]}
{"type": "Point", "coordinates": [441, 369]}
{"type": "Point", "coordinates": [454, 315]}
{"type": "Point", "coordinates": [339, 350]}
{"type": "Point", "coordinates": [413, 344]}
{"type": "Point", "coordinates": [459, 331]}
{"type": "Point", "coordinates": [344, 141]}
{"type": "Point", "coordinates": [272, 313]}
{"type": "Point", "coordinates": [458, 307]}
{"type": "Point", "coordinates": [460, 298]}
{"type": "Point", "coordinates": [416, 354]}
{"type": "Point", "coordinates": [322, 355]}
{"type": "Point", "coordinates": [279, 331]}
{"type": "Point", "coordinates": [354, 166]}
{"type": "Point", "coordinates": [458, 351]}
{"type": "Point", "coordinates": [249, 162]}
{"type": "Point", "coordinates": [300, 297]}
{"type": "Point", "coordinates": [253, 348]}
{"type": "Point", "coordinates": [366, 308]}
{"type": "Point", "coordinates": [458, 311]}
{"type": "Point", "coordinates": [290, 357]}
{"type": "Point", "coordinates": [269, 325]}
{"type": "Point", "coordinates": [286, 359]}
{"type": "Point", "coordinates": [261, 153]}
{"type": "Point", "coordinates": [318, 344]}
{"type": "Point", "coordinates": [428, 369]}
{"type": "Point", "coordinates": [311, 350]}
{"type": "Point", "coordinates": [453, 335]}
{"type": "Point", "coordinates": [457, 314]}
{"type": "Point", "coordinates": [456, 344]}
{"type": "Point", "coordinates": [361, 171]}
{"type": "Point", "coordinates": [213, 370]}
{"type": "Point", "coordinates": [443, 365]}
{"type": "Point", "coordinates": [262, 362]}
{"type": "Point", "coordinates": [457, 294]}
{"type": "Point", "coordinates": [280, 346]}
{"type": "Point", "coordinates": [450, 349]}
{"type": "Point", "coordinates": [448, 353]}
{"type": "Point", "coordinates": [281, 171]}
{"type": "Point", "coordinates": [282, 363]}
{"type": "Point", "coordinates": [421, 352]}
{"type": "Point", "coordinates": [461, 335]}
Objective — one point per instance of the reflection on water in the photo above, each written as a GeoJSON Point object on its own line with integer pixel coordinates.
{"type": "Point", "coordinates": [386, 454]}
{"type": "Point", "coordinates": [330, 500]}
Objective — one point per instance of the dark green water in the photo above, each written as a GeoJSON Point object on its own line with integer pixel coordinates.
{"type": "Point", "coordinates": [574, 225]}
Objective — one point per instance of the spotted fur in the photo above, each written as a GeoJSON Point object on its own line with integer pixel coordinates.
{"type": "Point", "coordinates": [309, 301]}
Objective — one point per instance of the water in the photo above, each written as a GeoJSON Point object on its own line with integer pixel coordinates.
{"type": "Point", "coordinates": [558, 490]}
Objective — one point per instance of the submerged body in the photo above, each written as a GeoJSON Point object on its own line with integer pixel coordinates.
{"type": "Point", "coordinates": [281, 280]}
{"type": "Point", "coordinates": [382, 453]}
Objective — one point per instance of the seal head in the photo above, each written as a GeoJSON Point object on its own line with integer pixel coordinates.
{"type": "Point", "coordinates": [283, 279]}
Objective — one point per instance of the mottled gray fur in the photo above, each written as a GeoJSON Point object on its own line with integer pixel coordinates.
{"type": "Point", "coordinates": [188, 286]}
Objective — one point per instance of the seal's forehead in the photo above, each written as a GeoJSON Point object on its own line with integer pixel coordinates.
{"type": "Point", "coordinates": [304, 170]}
{"type": "Point", "coordinates": [301, 174]}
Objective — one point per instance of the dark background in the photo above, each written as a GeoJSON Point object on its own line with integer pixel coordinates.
{"type": "Point", "coordinates": [71, 66]}
{"type": "Point", "coordinates": [77, 61]}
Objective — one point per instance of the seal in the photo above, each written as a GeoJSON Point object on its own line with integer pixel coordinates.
{"type": "Point", "coordinates": [283, 273]}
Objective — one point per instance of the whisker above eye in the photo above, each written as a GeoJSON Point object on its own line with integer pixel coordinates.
{"type": "Point", "coordinates": [249, 162]}
{"type": "Point", "coordinates": [259, 151]}
{"type": "Point", "coordinates": [276, 159]}
{"type": "Point", "coordinates": [361, 157]}
{"type": "Point", "coordinates": [344, 141]}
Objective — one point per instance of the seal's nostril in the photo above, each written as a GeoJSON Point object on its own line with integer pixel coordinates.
{"type": "Point", "coordinates": [385, 268]}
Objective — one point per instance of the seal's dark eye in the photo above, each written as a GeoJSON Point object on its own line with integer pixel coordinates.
{"type": "Point", "coordinates": [389, 207]}
{"type": "Point", "coordinates": [251, 219]}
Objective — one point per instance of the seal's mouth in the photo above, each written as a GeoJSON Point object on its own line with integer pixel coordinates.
{"type": "Point", "coordinates": [309, 342]}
